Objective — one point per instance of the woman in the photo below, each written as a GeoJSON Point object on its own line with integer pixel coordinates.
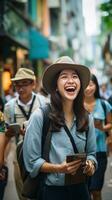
{"type": "Point", "coordinates": [65, 81]}
{"type": "Point", "coordinates": [93, 104]}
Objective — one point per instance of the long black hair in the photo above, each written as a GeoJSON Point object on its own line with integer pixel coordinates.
{"type": "Point", "coordinates": [95, 81]}
{"type": "Point", "coordinates": [57, 114]}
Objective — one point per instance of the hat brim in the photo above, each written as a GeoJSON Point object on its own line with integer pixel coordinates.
{"type": "Point", "coordinates": [51, 72]}
{"type": "Point", "coordinates": [19, 79]}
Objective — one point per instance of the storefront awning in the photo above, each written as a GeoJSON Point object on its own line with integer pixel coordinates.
{"type": "Point", "coordinates": [7, 40]}
{"type": "Point", "coordinates": [38, 45]}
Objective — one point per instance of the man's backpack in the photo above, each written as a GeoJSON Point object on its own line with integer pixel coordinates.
{"type": "Point", "coordinates": [30, 185]}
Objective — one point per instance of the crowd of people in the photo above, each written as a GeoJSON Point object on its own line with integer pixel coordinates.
{"type": "Point", "coordinates": [80, 121]}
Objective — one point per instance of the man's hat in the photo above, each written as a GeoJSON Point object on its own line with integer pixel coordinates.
{"type": "Point", "coordinates": [60, 64]}
{"type": "Point", "coordinates": [24, 73]}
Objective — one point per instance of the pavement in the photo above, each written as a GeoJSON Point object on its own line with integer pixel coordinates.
{"type": "Point", "coordinates": [107, 188]}
{"type": "Point", "coordinates": [10, 192]}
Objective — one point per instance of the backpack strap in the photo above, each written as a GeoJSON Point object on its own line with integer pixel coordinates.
{"type": "Point", "coordinates": [105, 112]}
{"type": "Point", "coordinates": [46, 133]}
{"type": "Point", "coordinates": [104, 107]}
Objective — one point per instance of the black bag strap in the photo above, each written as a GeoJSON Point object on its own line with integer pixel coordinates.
{"type": "Point", "coordinates": [104, 107]}
{"type": "Point", "coordinates": [105, 112]}
{"type": "Point", "coordinates": [72, 139]}
{"type": "Point", "coordinates": [27, 116]}
{"type": "Point", "coordinates": [86, 139]}
{"type": "Point", "coordinates": [46, 133]}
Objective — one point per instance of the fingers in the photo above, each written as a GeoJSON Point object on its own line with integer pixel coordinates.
{"type": "Point", "coordinates": [22, 131]}
{"type": "Point", "coordinates": [89, 169]}
{"type": "Point", "coordinates": [9, 133]}
{"type": "Point", "coordinates": [73, 166]}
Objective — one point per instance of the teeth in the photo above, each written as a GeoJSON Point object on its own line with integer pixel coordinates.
{"type": "Point", "coordinates": [71, 88]}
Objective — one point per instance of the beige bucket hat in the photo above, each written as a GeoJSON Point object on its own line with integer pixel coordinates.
{"type": "Point", "coordinates": [60, 64]}
{"type": "Point", "coordinates": [24, 73]}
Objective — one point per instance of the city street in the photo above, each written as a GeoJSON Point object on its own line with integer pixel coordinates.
{"type": "Point", "coordinates": [107, 189]}
{"type": "Point", "coordinates": [56, 58]}
{"type": "Point", "coordinates": [10, 193]}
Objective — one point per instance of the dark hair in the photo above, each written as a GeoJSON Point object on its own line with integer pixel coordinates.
{"type": "Point", "coordinates": [1, 104]}
{"type": "Point", "coordinates": [57, 114]}
{"type": "Point", "coordinates": [95, 81]}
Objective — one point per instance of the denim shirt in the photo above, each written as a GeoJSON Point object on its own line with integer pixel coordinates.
{"type": "Point", "coordinates": [60, 147]}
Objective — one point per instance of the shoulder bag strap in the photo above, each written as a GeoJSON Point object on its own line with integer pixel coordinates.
{"type": "Point", "coordinates": [86, 139]}
{"type": "Point", "coordinates": [72, 139]}
{"type": "Point", "coordinates": [27, 116]}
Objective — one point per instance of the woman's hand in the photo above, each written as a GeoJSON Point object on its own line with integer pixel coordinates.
{"type": "Point", "coordinates": [70, 167]}
{"type": "Point", "coordinates": [89, 169]}
{"type": "Point", "coordinates": [98, 124]}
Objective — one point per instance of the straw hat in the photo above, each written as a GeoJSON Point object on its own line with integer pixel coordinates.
{"type": "Point", "coordinates": [60, 64]}
{"type": "Point", "coordinates": [24, 73]}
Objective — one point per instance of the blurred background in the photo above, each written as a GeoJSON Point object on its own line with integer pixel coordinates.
{"type": "Point", "coordinates": [33, 33]}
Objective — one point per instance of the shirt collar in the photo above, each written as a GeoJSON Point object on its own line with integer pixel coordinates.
{"type": "Point", "coordinates": [26, 104]}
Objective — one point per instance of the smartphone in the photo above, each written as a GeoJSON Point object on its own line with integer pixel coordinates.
{"type": "Point", "coordinates": [77, 156]}
{"type": "Point", "coordinates": [15, 127]}
{"type": "Point", "coordinates": [79, 176]}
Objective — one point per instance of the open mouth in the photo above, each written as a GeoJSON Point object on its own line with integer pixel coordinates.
{"type": "Point", "coordinates": [70, 89]}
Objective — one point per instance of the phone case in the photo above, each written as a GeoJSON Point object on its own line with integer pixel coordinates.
{"type": "Point", "coordinates": [79, 177]}
{"type": "Point", "coordinates": [15, 127]}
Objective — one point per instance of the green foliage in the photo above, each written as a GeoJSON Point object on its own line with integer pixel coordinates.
{"type": "Point", "coordinates": [106, 20]}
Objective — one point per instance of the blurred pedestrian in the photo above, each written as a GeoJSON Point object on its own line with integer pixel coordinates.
{"type": "Point", "coordinates": [11, 93]}
{"type": "Point", "coordinates": [104, 91]}
{"type": "Point", "coordinates": [3, 168]}
{"type": "Point", "coordinates": [19, 109]}
{"type": "Point", "coordinates": [1, 104]}
{"type": "Point", "coordinates": [65, 81]}
{"type": "Point", "coordinates": [93, 104]}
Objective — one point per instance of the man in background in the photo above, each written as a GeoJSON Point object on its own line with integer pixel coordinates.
{"type": "Point", "coordinates": [18, 110]}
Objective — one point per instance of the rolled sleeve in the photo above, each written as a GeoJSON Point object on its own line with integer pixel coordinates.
{"type": "Point", "coordinates": [36, 167]}
{"type": "Point", "coordinates": [32, 144]}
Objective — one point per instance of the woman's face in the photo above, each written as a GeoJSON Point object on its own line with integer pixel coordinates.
{"type": "Point", "coordinates": [90, 90]}
{"type": "Point", "coordinates": [68, 84]}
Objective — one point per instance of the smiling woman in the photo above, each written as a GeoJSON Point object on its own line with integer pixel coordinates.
{"type": "Point", "coordinates": [65, 81]}
{"type": "Point", "coordinates": [68, 84]}
{"type": "Point", "coordinates": [103, 123]}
